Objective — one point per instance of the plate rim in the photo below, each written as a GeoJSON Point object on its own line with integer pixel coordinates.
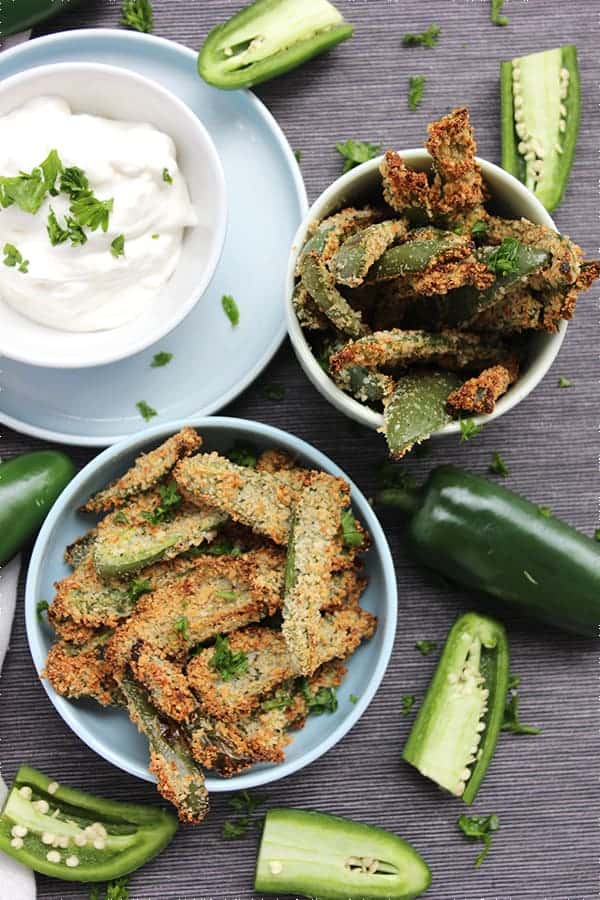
{"type": "Point", "coordinates": [160, 43]}
{"type": "Point", "coordinates": [388, 623]}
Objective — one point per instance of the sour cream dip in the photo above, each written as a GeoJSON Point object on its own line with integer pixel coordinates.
{"type": "Point", "coordinates": [91, 286]}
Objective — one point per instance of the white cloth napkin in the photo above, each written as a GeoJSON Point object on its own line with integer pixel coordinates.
{"type": "Point", "coordinates": [16, 881]}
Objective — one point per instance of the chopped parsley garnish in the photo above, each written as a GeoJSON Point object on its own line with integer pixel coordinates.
{"type": "Point", "coordinates": [274, 391]}
{"type": "Point", "coordinates": [170, 501]}
{"type": "Point", "coordinates": [351, 536]}
{"type": "Point", "coordinates": [89, 212]}
{"type": "Point", "coordinates": [503, 260]}
{"type": "Point", "coordinates": [321, 701]}
{"type": "Point", "coordinates": [479, 228]}
{"type": "Point", "coordinates": [426, 647]}
{"type": "Point", "coordinates": [230, 309]}
{"type": "Point", "coordinates": [245, 805]}
{"type": "Point", "coordinates": [29, 190]}
{"type": "Point", "coordinates": [298, 155]}
{"type": "Point", "coordinates": [357, 152]}
{"type": "Point", "coordinates": [469, 429]}
{"type": "Point", "coordinates": [155, 237]}
{"type": "Point", "coordinates": [117, 247]}
{"type": "Point", "coordinates": [479, 828]}
{"type": "Point", "coordinates": [222, 547]}
{"type": "Point", "coordinates": [161, 359]}
{"type": "Point", "coordinates": [137, 587]}
{"type": "Point", "coordinates": [121, 518]}
{"type": "Point", "coordinates": [41, 607]}
{"type": "Point", "coordinates": [498, 466]}
{"type": "Point", "coordinates": [138, 14]}
{"type": "Point", "coordinates": [416, 86]}
{"type": "Point", "coordinates": [167, 177]}
{"type": "Point", "coordinates": [228, 664]}
{"type": "Point", "coordinates": [511, 710]}
{"type": "Point", "coordinates": [427, 38]}
{"type": "Point", "coordinates": [58, 235]}
{"type": "Point", "coordinates": [115, 890]}
{"type": "Point", "coordinates": [226, 595]}
{"type": "Point", "coordinates": [353, 698]}
{"type": "Point", "coordinates": [564, 382]}
{"type": "Point", "coordinates": [145, 410]}
{"type": "Point", "coordinates": [545, 511]}
{"type": "Point", "coordinates": [73, 181]}
{"type": "Point", "coordinates": [281, 699]}
{"type": "Point", "coordinates": [13, 258]}
{"type": "Point", "coordinates": [408, 701]}
{"type": "Point", "coordinates": [496, 16]}
{"type": "Point", "coordinates": [243, 455]}
{"type": "Point", "coordinates": [182, 627]}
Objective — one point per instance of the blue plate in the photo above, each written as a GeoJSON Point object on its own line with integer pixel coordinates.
{"type": "Point", "coordinates": [213, 362]}
{"type": "Point", "coordinates": [109, 731]}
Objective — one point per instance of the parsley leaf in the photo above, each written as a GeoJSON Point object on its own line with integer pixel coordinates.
{"type": "Point", "coordinates": [495, 13]}
{"type": "Point", "coordinates": [89, 212]}
{"type": "Point", "coordinates": [228, 664]}
{"type": "Point", "coordinates": [545, 511]}
{"type": "Point", "coordinates": [427, 38]}
{"type": "Point", "coordinates": [564, 382]}
{"type": "Point", "coordinates": [298, 155]}
{"type": "Point", "coordinates": [121, 518]}
{"type": "Point", "coordinates": [170, 501]}
{"type": "Point", "coordinates": [58, 234]}
{"type": "Point", "coordinates": [353, 698]}
{"type": "Point", "coordinates": [137, 14]}
{"type": "Point", "coordinates": [73, 181]}
{"type": "Point", "coordinates": [230, 309]}
{"type": "Point", "coordinates": [29, 190]}
{"type": "Point", "coordinates": [182, 626]}
{"type": "Point", "coordinates": [479, 228]}
{"type": "Point", "coordinates": [498, 466]}
{"type": "Point", "coordinates": [41, 607]}
{"type": "Point", "coordinates": [479, 828]}
{"type": "Point", "coordinates": [243, 455]}
{"type": "Point", "coordinates": [469, 429]}
{"type": "Point", "coordinates": [357, 152]}
{"type": "Point", "coordinates": [321, 701]}
{"type": "Point", "coordinates": [502, 260]}
{"type": "Point", "coordinates": [351, 536]}
{"type": "Point", "coordinates": [281, 699]}
{"type": "Point", "coordinates": [117, 247]}
{"type": "Point", "coordinates": [167, 177]}
{"type": "Point", "coordinates": [145, 410]}
{"type": "Point", "coordinates": [408, 701]}
{"type": "Point", "coordinates": [416, 86]}
{"type": "Point", "coordinates": [274, 391]}
{"type": "Point", "coordinates": [426, 647]}
{"type": "Point", "coordinates": [115, 890]}
{"type": "Point", "coordinates": [161, 359]}
{"type": "Point", "coordinates": [511, 710]}
{"type": "Point", "coordinates": [246, 805]}
{"type": "Point", "coordinates": [233, 829]}
{"type": "Point", "coordinates": [226, 595]}
{"type": "Point", "coordinates": [13, 258]}
{"type": "Point", "coordinates": [137, 587]}
{"type": "Point", "coordinates": [222, 547]}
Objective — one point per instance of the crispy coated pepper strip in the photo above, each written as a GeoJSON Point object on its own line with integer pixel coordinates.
{"type": "Point", "coordinates": [270, 663]}
{"type": "Point", "coordinates": [311, 550]}
{"type": "Point", "coordinates": [406, 191]}
{"type": "Point", "coordinates": [166, 683]}
{"type": "Point", "coordinates": [458, 183]}
{"type": "Point", "coordinates": [417, 408]}
{"type": "Point", "coordinates": [179, 779]}
{"type": "Point", "coordinates": [307, 312]}
{"type": "Point", "coordinates": [357, 254]}
{"type": "Point", "coordinates": [80, 548]}
{"type": "Point", "coordinates": [564, 256]}
{"type": "Point", "coordinates": [320, 284]}
{"type": "Point", "coordinates": [76, 672]}
{"type": "Point", "coordinates": [478, 395]}
{"type": "Point", "coordinates": [427, 249]}
{"type": "Point", "coordinates": [147, 471]}
{"type": "Point", "coordinates": [258, 500]}
{"type": "Point", "coordinates": [327, 236]}
{"type": "Point", "coordinates": [452, 350]}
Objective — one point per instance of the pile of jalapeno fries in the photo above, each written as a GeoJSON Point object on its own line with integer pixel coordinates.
{"type": "Point", "coordinates": [421, 303]}
{"type": "Point", "coordinates": [215, 602]}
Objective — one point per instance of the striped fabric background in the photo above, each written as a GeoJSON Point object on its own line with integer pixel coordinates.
{"type": "Point", "coordinates": [545, 789]}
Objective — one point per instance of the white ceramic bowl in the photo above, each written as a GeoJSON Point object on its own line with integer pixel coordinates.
{"type": "Point", "coordinates": [120, 94]}
{"type": "Point", "coordinates": [507, 195]}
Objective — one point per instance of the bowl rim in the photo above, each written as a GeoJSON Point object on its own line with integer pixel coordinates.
{"type": "Point", "coordinates": [219, 230]}
{"type": "Point", "coordinates": [67, 710]}
{"type": "Point", "coordinates": [343, 402]}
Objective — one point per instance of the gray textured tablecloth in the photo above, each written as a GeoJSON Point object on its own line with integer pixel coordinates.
{"type": "Point", "coordinates": [545, 789]}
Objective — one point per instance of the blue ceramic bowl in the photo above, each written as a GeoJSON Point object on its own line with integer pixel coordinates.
{"type": "Point", "coordinates": [109, 731]}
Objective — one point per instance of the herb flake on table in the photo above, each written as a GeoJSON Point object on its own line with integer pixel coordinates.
{"type": "Point", "coordinates": [161, 359]}
{"type": "Point", "coordinates": [245, 805]}
{"type": "Point", "coordinates": [138, 14]}
{"type": "Point", "coordinates": [479, 828]}
{"type": "Point", "coordinates": [545, 511]}
{"type": "Point", "coordinates": [408, 701]}
{"type": "Point", "coordinates": [230, 309]}
{"type": "Point", "coordinates": [226, 662]}
{"type": "Point", "coordinates": [298, 155]}
{"type": "Point", "coordinates": [496, 16]}
{"type": "Point", "coordinates": [511, 720]}
{"type": "Point", "coordinates": [274, 391]}
{"type": "Point", "coordinates": [14, 259]}
{"type": "Point", "coordinates": [564, 382]}
{"type": "Point", "coordinates": [357, 152]}
{"type": "Point", "coordinates": [498, 466]}
{"type": "Point", "coordinates": [428, 38]}
{"type": "Point", "coordinates": [115, 890]}
{"type": "Point", "coordinates": [42, 606]}
{"type": "Point", "coordinates": [469, 429]}
{"type": "Point", "coordinates": [426, 647]}
{"type": "Point", "coordinates": [416, 87]}
{"type": "Point", "coordinates": [145, 410]}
